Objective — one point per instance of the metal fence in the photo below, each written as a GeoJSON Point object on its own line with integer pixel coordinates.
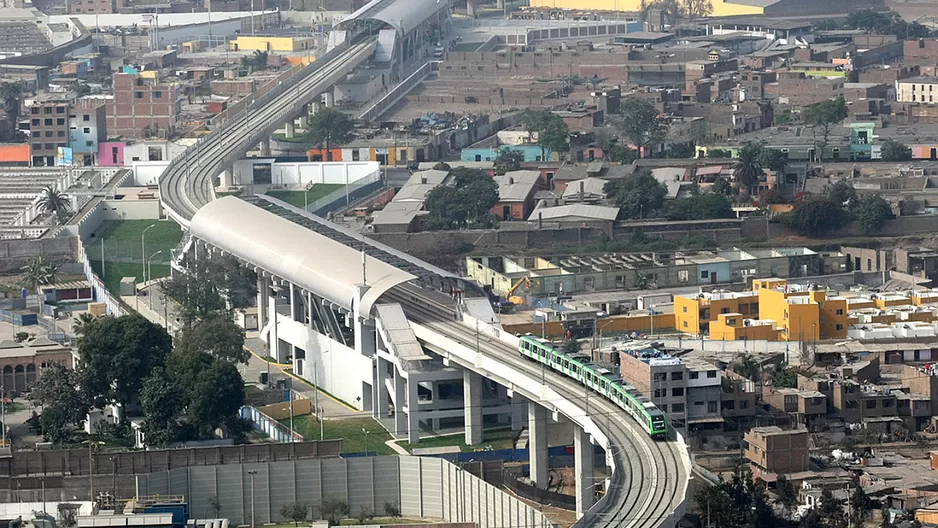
{"type": "Point", "coordinates": [272, 428]}
{"type": "Point", "coordinates": [346, 195]}
{"type": "Point", "coordinates": [399, 92]}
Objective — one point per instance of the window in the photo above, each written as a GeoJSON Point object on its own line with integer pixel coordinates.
{"type": "Point", "coordinates": [35, 122]}
{"type": "Point", "coordinates": [661, 376]}
{"type": "Point", "coordinates": [86, 117]}
{"type": "Point", "coordinates": [913, 97]}
{"type": "Point", "coordinates": [887, 403]}
{"type": "Point", "coordinates": [731, 322]}
{"type": "Point", "coordinates": [870, 404]}
{"type": "Point", "coordinates": [663, 407]}
{"type": "Point", "coordinates": [37, 146]}
{"type": "Point", "coordinates": [704, 274]}
{"type": "Point", "coordinates": [677, 376]}
{"type": "Point", "coordinates": [677, 391]}
{"type": "Point", "coordinates": [711, 374]}
{"type": "Point", "coordinates": [46, 110]}
{"type": "Point", "coordinates": [49, 146]}
{"type": "Point", "coordinates": [47, 122]}
{"type": "Point", "coordinates": [724, 310]}
{"type": "Point", "coordinates": [677, 407]}
{"type": "Point", "coordinates": [685, 308]}
{"type": "Point", "coordinates": [683, 275]}
{"type": "Point", "coordinates": [840, 327]}
{"type": "Point", "coordinates": [729, 405]}
{"type": "Point", "coordinates": [33, 110]}
{"type": "Point", "coordinates": [138, 95]}
{"type": "Point", "coordinates": [744, 404]}
{"type": "Point", "coordinates": [711, 407]}
{"type": "Point", "coordinates": [60, 121]}
{"type": "Point", "coordinates": [48, 133]}
{"type": "Point", "coordinates": [86, 130]}
{"type": "Point", "coordinates": [791, 399]}
{"type": "Point", "coordinates": [157, 95]}
{"type": "Point", "coordinates": [59, 109]}
{"type": "Point", "coordinates": [685, 324]}
{"type": "Point", "coordinates": [89, 143]}
{"type": "Point", "coordinates": [694, 375]}
{"type": "Point", "coordinates": [698, 404]}
{"type": "Point", "coordinates": [60, 133]}
{"type": "Point", "coordinates": [660, 393]}
{"type": "Point", "coordinates": [851, 404]}
{"type": "Point", "coordinates": [840, 312]}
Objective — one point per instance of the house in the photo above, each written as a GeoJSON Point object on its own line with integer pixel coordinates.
{"type": "Point", "coordinates": [582, 215]}
{"type": "Point", "coordinates": [516, 194]}
{"type": "Point", "coordinates": [587, 190]}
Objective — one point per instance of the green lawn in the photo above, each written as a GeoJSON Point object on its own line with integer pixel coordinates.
{"type": "Point", "coordinates": [115, 271]}
{"type": "Point", "coordinates": [496, 438]}
{"type": "Point", "coordinates": [348, 430]}
{"type": "Point", "coordinates": [315, 192]}
{"type": "Point", "coordinates": [122, 240]}
{"type": "Point", "coordinates": [467, 46]}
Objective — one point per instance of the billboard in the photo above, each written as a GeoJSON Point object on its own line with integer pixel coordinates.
{"type": "Point", "coordinates": [63, 156]}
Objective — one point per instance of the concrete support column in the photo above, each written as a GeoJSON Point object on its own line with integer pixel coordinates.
{"type": "Point", "coordinates": [304, 116]}
{"type": "Point", "coordinates": [273, 340]}
{"type": "Point", "coordinates": [537, 444]}
{"type": "Point", "coordinates": [290, 129]}
{"type": "Point", "coordinates": [472, 398]}
{"type": "Point", "coordinates": [263, 294]}
{"type": "Point", "coordinates": [382, 402]}
{"type": "Point", "coordinates": [517, 412]}
{"type": "Point", "coordinates": [583, 453]}
{"type": "Point", "coordinates": [413, 412]}
{"type": "Point", "coordinates": [329, 99]}
{"type": "Point", "coordinates": [314, 107]}
{"type": "Point", "coordinates": [400, 391]}
{"type": "Point", "coordinates": [227, 178]}
{"type": "Point", "coordinates": [265, 147]}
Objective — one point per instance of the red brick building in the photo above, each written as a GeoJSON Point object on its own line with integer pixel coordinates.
{"type": "Point", "coordinates": [143, 107]}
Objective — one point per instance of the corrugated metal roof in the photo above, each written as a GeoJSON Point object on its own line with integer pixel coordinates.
{"type": "Point", "coordinates": [406, 15]}
{"type": "Point", "coordinates": [398, 334]}
{"type": "Point", "coordinates": [595, 212]}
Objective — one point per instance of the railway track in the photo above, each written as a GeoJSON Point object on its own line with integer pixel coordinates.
{"type": "Point", "coordinates": [649, 481]}
{"type": "Point", "coordinates": [188, 182]}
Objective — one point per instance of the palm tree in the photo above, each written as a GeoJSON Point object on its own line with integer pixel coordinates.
{"type": "Point", "coordinates": [54, 201]}
{"type": "Point", "coordinates": [39, 271]}
{"type": "Point", "coordinates": [83, 322]}
{"type": "Point", "coordinates": [748, 167]}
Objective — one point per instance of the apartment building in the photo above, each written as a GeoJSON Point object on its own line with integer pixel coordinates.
{"type": "Point", "coordinates": [804, 406]}
{"type": "Point", "coordinates": [143, 107]}
{"type": "Point", "coordinates": [48, 124]}
{"type": "Point", "coordinates": [917, 90]}
{"type": "Point", "coordinates": [738, 400]}
{"type": "Point", "coordinates": [774, 450]}
{"type": "Point", "coordinates": [661, 377]}
{"type": "Point", "coordinates": [773, 310]}
{"type": "Point", "coordinates": [87, 126]}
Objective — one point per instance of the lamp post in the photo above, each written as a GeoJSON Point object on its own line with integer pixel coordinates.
{"type": "Point", "coordinates": [91, 445]}
{"type": "Point", "coordinates": [143, 255]}
{"type": "Point", "coordinates": [150, 278]}
{"type": "Point", "coordinates": [252, 472]}
{"type": "Point", "coordinates": [365, 431]}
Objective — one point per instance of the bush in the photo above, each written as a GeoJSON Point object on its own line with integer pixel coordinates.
{"type": "Point", "coordinates": [392, 509]}
{"type": "Point", "coordinates": [334, 509]}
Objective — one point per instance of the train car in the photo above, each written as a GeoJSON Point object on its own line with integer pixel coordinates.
{"type": "Point", "coordinates": [599, 380]}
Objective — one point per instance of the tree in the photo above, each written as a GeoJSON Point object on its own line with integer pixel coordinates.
{"type": "Point", "coordinates": [639, 195]}
{"type": "Point", "coordinates": [772, 196]}
{"type": "Point", "coordinates": [773, 159]}
{"type": "Point", "coordinates": [215, 397]}
{"type": "Point", "coordinates": [296, 511]}
{"type": "Point", "coordinates": [825, 115]}
{"type": "Point", "coordinates": [831, 511]}
{"type": "Point", "coordinates": [786, 492]}
{"type": "Point", "coordinates": [698, 8]}
{"type": "Point", "coordinates": [442, 166]}
{"type": "Point", "coordinates": [872, 212]}
{"type": "Point", "coordinates": [748, 167]}
{"type": "Point", "coordinates": [257, 61]}
{"type": "Point", "coordinates": [117, 354]}
{"type": "Point", "coordinates": [673, 10]}
{"type": "Point", "coordinates": [82, 322]}
{"type": "Point", "coordinates": [39, 272]}
{"type": "Point", "coordinates": [216, 335]}
{"type": "Point", "coordinates": [816, 217]}
{"type": "Point", "coordinates": [719, 153]}
{"type": "Point", "coordinates": [468, 201]}
{"type": "Point", "coordinates": [860, 505]}
{"type": "Point", "coordinates": [701, 207]}
{"type": "Point", "coordinates": [736, 503]}
{"type": "Point", "coordinates": [570, 346]}
{"type": "Point", "coordinates": [64, 403]}
{"type": "Point", "coordinates": [508, 160]}
{"type": "Point", "coordinates": [722, 186]}
{"type": "Point", "coordinates": [746, 367]}
{"type": "Point", "coordinates": [783, 377]}
{"type": "Point", "coordinates": [844, 194]}
{"type": "Point", "coordinates": [330, 128]}
{"type": "Point", "coordinates": [162, 403]}
{"type": "Point", "coordinates": [10, 93]}
{"type": "Point", "coordinates": [640, 122]}
{"type": "Point", "coordinates": [197, 291]}
{"type": "Point", "coordinates": [552, 132]}
{"type": "Point", "coordinates": [893, 150]}
{"type": "Point", "coordinates": [334, 509]}
{"type": "Point", "coordinates": [392, 510]}
{"type": "Point", "coordinates": [53, 201]}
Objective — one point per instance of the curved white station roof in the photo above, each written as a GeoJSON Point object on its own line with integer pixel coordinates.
{"type": "Point", "coordinates": [291, 252]}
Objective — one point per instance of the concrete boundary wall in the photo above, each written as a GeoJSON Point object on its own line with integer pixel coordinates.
{"type": "Point", "coordinates": [421, 487]}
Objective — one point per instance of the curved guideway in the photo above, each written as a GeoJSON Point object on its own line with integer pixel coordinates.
{"type": "Point", "coordinates": [188, 182]}
{"type": "Point", "coordinates": [649, 484]}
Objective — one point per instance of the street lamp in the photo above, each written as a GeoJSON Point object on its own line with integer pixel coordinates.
{"type": "Point", "coordinates": [150, 278]}
{"type": "Point", "coordinates": [143, 255]}
{"type": "Point", "coordinates": [366, 440]}
{"type": "Point", "coordinates": [91, 445]}
{"type": "Point", "coordinates": [252, 472]}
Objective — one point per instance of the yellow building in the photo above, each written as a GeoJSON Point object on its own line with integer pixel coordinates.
{"type": "Point", "coordinates": [771, 311]}
{"type": "Point", "coordinates": [282, 44]}
{"type": "Point", "coordinates": [720, 7]}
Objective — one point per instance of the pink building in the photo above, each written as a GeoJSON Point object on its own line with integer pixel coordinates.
{"type": "Point", "coordinates": [110, 153]}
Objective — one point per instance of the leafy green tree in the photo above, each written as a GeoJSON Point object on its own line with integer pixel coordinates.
{"type": "Point", "coordinates": [468, 201]}
{"type": "Point", "coordinates": [254, 62]}
{"type": "Point", "coordinates": [719, 153]}
{"type": "Point", "coordinates": [825, 115]}
{"type": "Point", "coordinates": [570, 346]}
{"type": "Point", "coordinates": [330, 128]}
{"type": "Point", "coordinates": [237, 283]}
{"type": "Point", "coordinates": [831, 511]}
{"type": "Point", "coordinates": [640, 122]}
{"type": "Point", "coordinates": [722, 186]}
{"type": "Point", "coordinates": [552, 132]}
{"type": "Point", "coordinates": [508, 160]}
{"type": "Point", "coordinates": [737, 502]}
{"type": "Point", "coordinates": [783, 377]}
{"type": "Point", "coordinates": [639, 195]}
{"type": "Point", "coordinates": [748, 167]}
{"type": "Point", "coordinates": [786, 492]}
{"type": "Point", "coordinates": [893, 150]}
{"type": "Point", "coordinates": [844, 194]}
{"type": "Point", "coordinates": [117, 354]}
{"type": "Point", "coordinates": [216, 335]}
{"type": "Point", "coordinates": [773, 159]}
{"type": "Point", "coordinates": [295, 511]}
{"type": "Point", "coordinates": [771, 196]}
{"type": "Point", "coordinates": [697, 8]}
{"type": "Point", "coordinates": [215, 398]}
{"type": "Point", "coordinates": [162, 403]}
{"type": "Point", "coordinates": [816, 217]}
{"type": "Point", "coordinates": [614, 152]}
{"type": "Point", "coordinates": [39, 272]}
{"type": "Point", "coordinates": [872, 212]}
{"type": "Point", "coordinates": [705, 206]}
{"type": "Point", "coordinates": [83, 321]}
{"type": "Point", "coordinates": [196, 291]}
{"type": "Point", "coordinates": [54, 201]}
{"type": "Point", "coordinates": [64, 404]}
{"type": "Point", "coordinates": [746, 367]}
{"type": "Point", "coordinates": [334, 509]}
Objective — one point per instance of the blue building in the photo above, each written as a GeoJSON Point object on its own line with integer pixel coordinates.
{"type": "Point", "coordinates": [531, 152]}
{"type": "Point", "coordinates": [87, 128]}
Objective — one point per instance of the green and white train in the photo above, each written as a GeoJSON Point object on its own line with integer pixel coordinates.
{"type": "Point", "coordinates": [600, 380]}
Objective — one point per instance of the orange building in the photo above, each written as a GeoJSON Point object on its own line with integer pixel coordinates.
{"type": "Point", "coordinates": [15, 154]}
